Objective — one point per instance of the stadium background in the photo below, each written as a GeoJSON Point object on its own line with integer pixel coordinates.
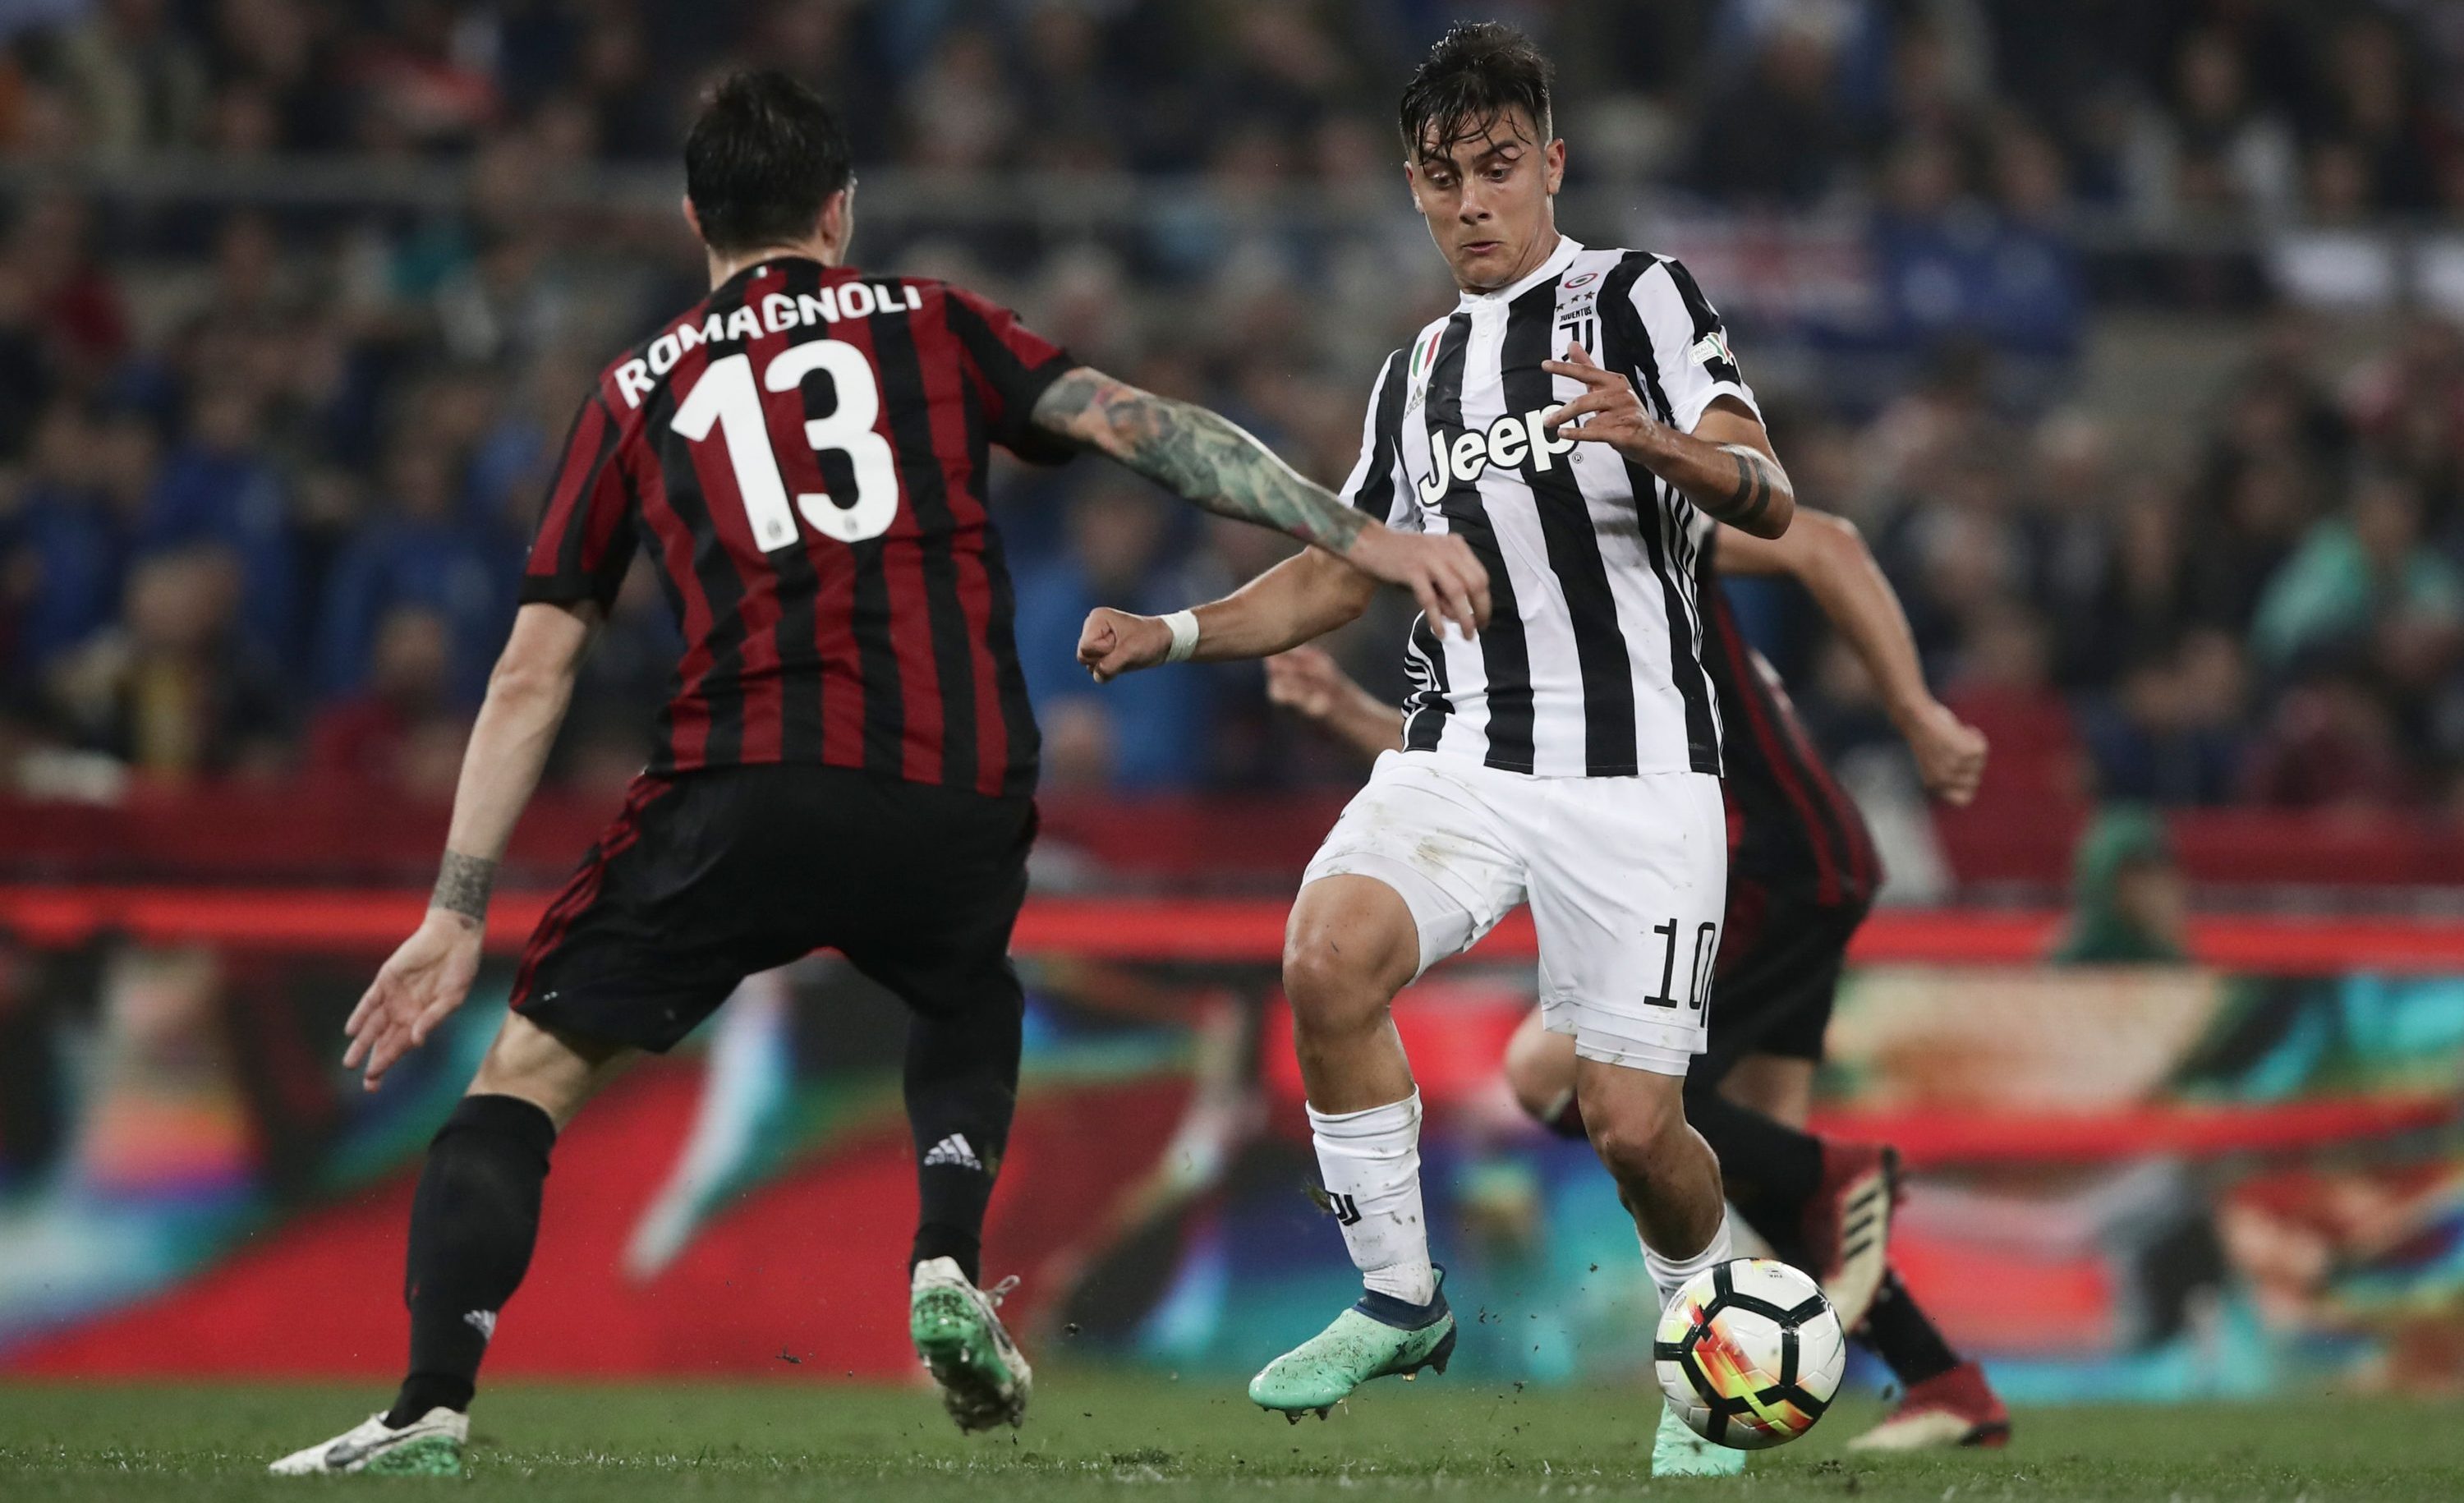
{"type": "Point", "coordinates": [2123, 328]}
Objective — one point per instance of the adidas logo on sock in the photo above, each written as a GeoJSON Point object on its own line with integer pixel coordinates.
{"type": "Point", "coordinates": [483, 1321]}
{"type": "Point", "coordinates": [954, 1150]}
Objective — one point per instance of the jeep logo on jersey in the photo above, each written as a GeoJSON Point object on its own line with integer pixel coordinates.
{"type": "Point", "coordinates": [1508, 443]}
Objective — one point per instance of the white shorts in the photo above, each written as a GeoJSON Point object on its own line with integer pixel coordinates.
{"type": "Point", "coordinates": [1627, 878]}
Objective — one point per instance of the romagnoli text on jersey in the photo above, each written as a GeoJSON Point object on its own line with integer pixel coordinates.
{"type": "Point", "coordinates": [778, 313]}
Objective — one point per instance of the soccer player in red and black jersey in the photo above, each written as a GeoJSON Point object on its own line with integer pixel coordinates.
{"type": "Point", "coordinates": [847, 758]}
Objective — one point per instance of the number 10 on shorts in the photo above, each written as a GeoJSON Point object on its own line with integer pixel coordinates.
{"type": "Point", "coordinates": [1698, 971]}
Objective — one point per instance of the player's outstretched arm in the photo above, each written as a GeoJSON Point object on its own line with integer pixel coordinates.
{"type": "Point", "coordinates": [423, 981]}
{"type": "Point", "coordinates": [1726, 465]}
{"type": "Point", "coordinates": [1828, 556]}
{"type": "Point", "coordinates": [1209, 459]}
{"type": "Point", "coordinates": [1311, 684]}
{"type": "Point", "coordinates": [1299, 600]}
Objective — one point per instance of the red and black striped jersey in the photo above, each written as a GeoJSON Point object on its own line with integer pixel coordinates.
{"type": "Point", "coordinates": [1791, 828]}
{"type": "Point", "coordinates": [803, 456]}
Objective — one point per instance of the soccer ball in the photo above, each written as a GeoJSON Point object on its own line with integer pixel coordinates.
{"type": "Point", "coordinates": [1750, 1354]}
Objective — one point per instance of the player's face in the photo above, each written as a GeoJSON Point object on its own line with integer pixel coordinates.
{"type": "Point", "coordinates": [1487, 199]}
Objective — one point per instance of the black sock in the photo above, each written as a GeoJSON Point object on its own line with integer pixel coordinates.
{"type": "Point", "coordinates": [1770, 1169]}
{"type": "Point", "coordinates": [472, 1224]}
{"type": "Point", "coordinates": [961, 1090]}
{"type": "Point", "coordinates": [1902, 1338]}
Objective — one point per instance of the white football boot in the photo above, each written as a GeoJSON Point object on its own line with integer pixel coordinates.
{"type": "Point", "coordinates": [428, 1447]}
{"type": "Point", "coordinates": [957, 1329]}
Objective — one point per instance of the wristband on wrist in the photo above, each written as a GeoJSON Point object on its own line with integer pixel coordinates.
{"type": "Point", "coordinates": [1183, 627]}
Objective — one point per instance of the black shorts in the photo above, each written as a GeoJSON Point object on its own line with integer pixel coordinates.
{"type": "Point", "coordinates": [709, 877]}
{"type": "Point", "coordinates": [1781, 953]}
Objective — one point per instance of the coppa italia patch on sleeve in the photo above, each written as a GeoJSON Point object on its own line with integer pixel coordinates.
{"type": "Point", "coordinates": [1711, 353]}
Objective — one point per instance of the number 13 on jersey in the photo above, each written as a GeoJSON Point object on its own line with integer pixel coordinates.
{"type": "Point", "coordinates": [725, 398]}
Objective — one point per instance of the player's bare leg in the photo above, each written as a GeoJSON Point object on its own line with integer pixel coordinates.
{"type": "Point", "coordinates": [1949, 1400]}
{"type": "Point", "coordinates": [1669, 1181]}
{"type": "Point", "coordinates": [1826, 1205]}
{"type": "Point", "coordinates": [553, 1071]}
{"type": "Point", "coordinates": [1540, 1071]}
{"type": "Point", "coordinates": [1350, 946]}
{"type": "Point", "coordinates": [1665, 1173]}
{"type": "Point", "coordinates": [473, 1223]}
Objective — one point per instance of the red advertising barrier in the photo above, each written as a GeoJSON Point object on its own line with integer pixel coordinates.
{"type": "Point", "coordinates": [2024, 1099]}
{"type": "Point", "coordinates": [327, 831]}
{"type": "Point", "coordinates": [805, 1278]}
{"type": "Point", "coordinates": [1194, 930]}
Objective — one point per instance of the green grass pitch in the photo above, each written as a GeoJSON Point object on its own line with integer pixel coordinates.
{"type": "Point", "coordinates": [1111, 1436]}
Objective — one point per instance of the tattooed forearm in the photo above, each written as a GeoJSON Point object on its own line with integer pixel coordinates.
{"type": "Point", "coordinates": [1736, 482]}
{"type": "Point", "coordinates": [462, 886]}
{"type": "Point", "coordinates": [1198, 454]}
{"type": "Point", "coordinates": [1745, 504]}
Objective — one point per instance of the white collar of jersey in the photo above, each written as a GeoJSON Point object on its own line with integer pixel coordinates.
{"type": "Point", "coordinates": [1568, 248]}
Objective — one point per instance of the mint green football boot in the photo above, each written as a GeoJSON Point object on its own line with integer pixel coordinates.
{"type": "Point", "coordinates": [1381, 1337]}
{"type": "Point", "coordinates": [1676, 1451]}
{"type": "Point", "coordinates": [428, 1447]}
{"type": "Point", "coordinates": [983, 1377]}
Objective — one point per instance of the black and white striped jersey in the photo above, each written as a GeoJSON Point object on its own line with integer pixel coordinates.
{"type": "Point", "coordinates": [1591, 661]}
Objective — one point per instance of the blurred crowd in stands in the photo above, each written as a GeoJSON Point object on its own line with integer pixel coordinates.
{"type": "Point", "coordinates": [267, 465]}
{"type": "Point", "coordinates": [2185, 107]}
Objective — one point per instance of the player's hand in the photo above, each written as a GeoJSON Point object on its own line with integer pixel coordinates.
{"type": "Point", "coordinates": [1114, 642]}
{"type": "Point", "coordinates": [1307, 682]}
{"type": "Point", "coordinates": [1949, 752]}
{"type": "Point", "coordinates": [416, 990]}
{"type": "Point", "coordinates": [1607, 410]}
{"type": "Point", "coordinates": [1441, 571]}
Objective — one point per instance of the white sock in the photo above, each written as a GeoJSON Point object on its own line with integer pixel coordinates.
{"type": "Point", "coordinates": [1371, 1162]}
{"type": "Point", "coordinates": [1670, 1274]}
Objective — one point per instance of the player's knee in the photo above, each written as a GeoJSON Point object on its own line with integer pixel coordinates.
{"type": "Point", "coordinates": [1331, 990]}
{"type": "Point", "coordinates": [1340, 984]}
{"type": "Point", "coordinates": [1540, 1071]}
{"type": "Point", "coordinates": [554, 1071]}
{"type": "Point", "coordinates": [1539, 1095]}
{"type": "Point", "coordinates": [1632, 1124]}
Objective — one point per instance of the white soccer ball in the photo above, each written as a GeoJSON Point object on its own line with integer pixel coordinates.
{"type": "Point", "coordinates": [1750, 1354]}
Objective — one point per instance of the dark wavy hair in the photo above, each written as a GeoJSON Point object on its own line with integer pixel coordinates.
{"type": "Point", "coordinates": [1477, 71]}
{"type": "Point", "coordinates": [764, 154]}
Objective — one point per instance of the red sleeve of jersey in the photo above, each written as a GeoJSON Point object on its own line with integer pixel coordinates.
{"type": "Point", "coordinates": [1010, 365]}
{"type": "Point", "coordinates": [583, 544]}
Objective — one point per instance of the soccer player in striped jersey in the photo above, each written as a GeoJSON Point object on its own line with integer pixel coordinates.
{"type": "Point", "coordinates": [1802, 874]}
{"type": "Point", "coordinates": [845, 759]}
{"type": "Point", "coordinates": [1579, 420]}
